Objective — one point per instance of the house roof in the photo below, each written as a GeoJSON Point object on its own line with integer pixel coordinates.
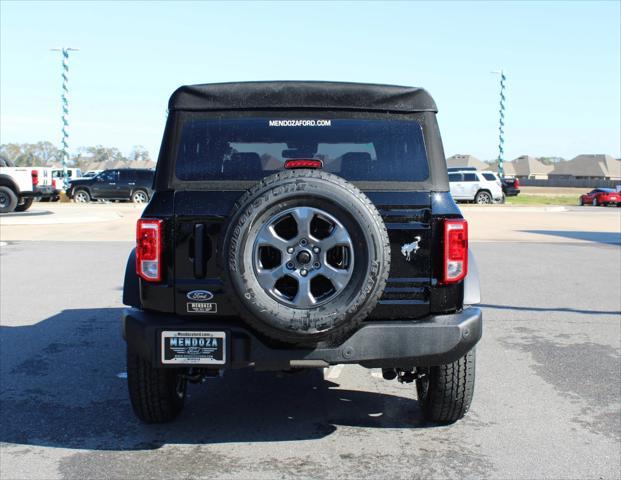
{"type": "Point", "coordinates": [301, 95]}
{"type": "Point", "coordinates": [461, 160]}
{"type": "Point", "coordinates": [597, 165]}
{"type": "Point", "coordinates": [525, 165]}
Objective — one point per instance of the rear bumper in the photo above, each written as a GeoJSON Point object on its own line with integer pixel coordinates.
{"type": "Point", "coordinates": [41, 191]}
{"type": "Point", "coordinates": [434, 340]}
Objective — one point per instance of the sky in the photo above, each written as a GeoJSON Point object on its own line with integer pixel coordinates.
{"type": "Point", "coordinates": [562, 61]}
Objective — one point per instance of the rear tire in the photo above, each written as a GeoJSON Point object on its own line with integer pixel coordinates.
{"type": "Point", "coordinates": [445, 391]}
{"type": "Point", "coordinates": [81, 196]}
{"type": "Point", "coordinates": [483, 198]}
{"type": "Point", "coordinates": [157, 394]}
{"type": "Point", "coordinates": [8, 200]}
{"type": "Point", "coordinates": [140, 196]}
{"type": "Point", "coordinates": [25, 205]}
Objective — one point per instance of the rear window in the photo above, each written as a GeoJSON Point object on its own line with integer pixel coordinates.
{"type": "Point", "coordinates": [251, 148]}
{"type": "Point", "coordinates": [489, 176]}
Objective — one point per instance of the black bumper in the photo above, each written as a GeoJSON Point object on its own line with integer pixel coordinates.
{"type": "Point", "coordinates": [511, 192]}
{"type": "Point", "coordinates": [435, 340]}
{"type": "Point", "coordinates": [41, 191]}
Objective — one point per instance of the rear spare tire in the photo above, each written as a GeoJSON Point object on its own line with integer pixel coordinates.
{"type": "Point", "coordinates": [307, 254]}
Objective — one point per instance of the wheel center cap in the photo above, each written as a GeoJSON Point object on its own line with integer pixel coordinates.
{"type": "Point", "coordinates": [304, 257]}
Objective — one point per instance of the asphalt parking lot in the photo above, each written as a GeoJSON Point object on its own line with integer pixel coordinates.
{"type": "Point", "coordinates": [547, 399]}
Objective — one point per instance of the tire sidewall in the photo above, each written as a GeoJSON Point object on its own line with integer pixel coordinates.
{"type": "Point", "coordinates": [369, 264]}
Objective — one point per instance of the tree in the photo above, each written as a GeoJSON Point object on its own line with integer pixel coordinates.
{"type": "Point", "coordinates": [31, 154]}
{"type": "Point", "coordinates": [47, 152]}
{"type": "Point", "coordinates": [103, 154]}
{"type": "Point", "coordinates": [139, 153]}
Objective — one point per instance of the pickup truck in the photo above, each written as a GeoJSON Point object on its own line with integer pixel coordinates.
{"type": "Point", "coordinates": [19, 186]}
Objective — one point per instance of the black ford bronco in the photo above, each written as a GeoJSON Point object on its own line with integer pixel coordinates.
{"type": "Point", "coordinates": [301, 225]}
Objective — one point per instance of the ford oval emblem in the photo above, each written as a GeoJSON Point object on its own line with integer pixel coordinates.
{"type": "Point", "coordinates": [200, 295]}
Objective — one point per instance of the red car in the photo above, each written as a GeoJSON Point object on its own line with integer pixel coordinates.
{"type": "Point", "coordinates": [601, 196]}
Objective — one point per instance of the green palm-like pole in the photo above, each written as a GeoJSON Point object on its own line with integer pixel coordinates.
{"type": "Point", "coordinates": [501, 125]}
{"type": "Point", "coordinates": [65, 115]}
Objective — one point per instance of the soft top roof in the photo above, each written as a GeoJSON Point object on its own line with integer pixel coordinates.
{"type": "Point", "coordinates": [301, 95]}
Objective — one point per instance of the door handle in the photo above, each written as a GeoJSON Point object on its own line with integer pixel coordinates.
{"type": "Point", "coordinates": [112, 184]}
{"type": "Point", "coordinates": [131, 183]}
{"type": "Point", "coordinates": [199, 250]}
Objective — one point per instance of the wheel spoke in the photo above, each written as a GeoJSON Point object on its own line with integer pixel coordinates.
{"type": "Point", "coordinates": [338, 236]}
{"type": "Point", "coordinates": [268, 237]}
{"type": "Point", "coordinates": [338, 276]}
{"type": "Point", "coordinates": [304, 298]}
{"type": "Point", "coordinates": [303, 217]}
{"type": "Point", "coordinates": [268, 277]}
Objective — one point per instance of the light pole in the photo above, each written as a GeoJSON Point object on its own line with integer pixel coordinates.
{"type": "Point", "coordinates": [501, 124]}
{"type": "Point", "coordinates": [65, 101]}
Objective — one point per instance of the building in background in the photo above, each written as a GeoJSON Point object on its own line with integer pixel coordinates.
{"type": "Point", "coordinates": [461, 160]}
{"type": "Point", "coordinates": [588, 167]}
{"type": "Point", "coordinates": [526, 166]}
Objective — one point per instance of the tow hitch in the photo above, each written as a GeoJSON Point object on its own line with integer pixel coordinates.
{"type": "Point", "coordinates": [403, 376]}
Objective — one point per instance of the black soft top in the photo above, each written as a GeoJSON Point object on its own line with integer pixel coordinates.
{"type": "Point", "coordinates": [301, 95]}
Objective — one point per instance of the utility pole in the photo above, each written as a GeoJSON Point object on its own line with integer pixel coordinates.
{"type": "Point", "coordinates": [501, 124]}
{"type": "Point", "coordinates": [65, 102]}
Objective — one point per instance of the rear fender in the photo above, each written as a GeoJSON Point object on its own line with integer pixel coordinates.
{"type": "Point", "coordinates": [131, 285]}
{"type": "Point", "coordinates": [7, 181]}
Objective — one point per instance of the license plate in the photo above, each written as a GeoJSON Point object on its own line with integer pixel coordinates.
{"type": "Point", "coordinates": [194, 348]}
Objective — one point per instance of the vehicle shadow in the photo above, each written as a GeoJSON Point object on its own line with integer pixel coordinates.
{"type": "Point", "coordinates": [27, 213]}
{"type": "Point", "coordinates": [62, 385]}
{"type": "Point", "coordinates": [608, 238]}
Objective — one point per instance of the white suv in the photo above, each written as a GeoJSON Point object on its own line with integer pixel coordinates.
{"type": "Point", "coordinates": [480, 187]}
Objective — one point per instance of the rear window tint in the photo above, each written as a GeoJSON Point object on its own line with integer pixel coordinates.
{"type": "Point", "coordinates": [251, 148]}
{"type": "Point", "coordinates": [470, 177]}
{"type": "Point", "coordinates": [489, 176]}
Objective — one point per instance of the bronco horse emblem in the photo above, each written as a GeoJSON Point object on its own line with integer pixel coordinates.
{"type": "Point", "coordinates": [409, 248]}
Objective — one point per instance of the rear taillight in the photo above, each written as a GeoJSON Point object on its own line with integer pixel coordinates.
{"type": "Point", "coordinates": [455, 250]}
{"type": "Point", "coordinates": [149, 249]}
{"type": "Point", "coordinates": [516, 183]}
{"type": "Point", "coordinates": [35, 177]}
